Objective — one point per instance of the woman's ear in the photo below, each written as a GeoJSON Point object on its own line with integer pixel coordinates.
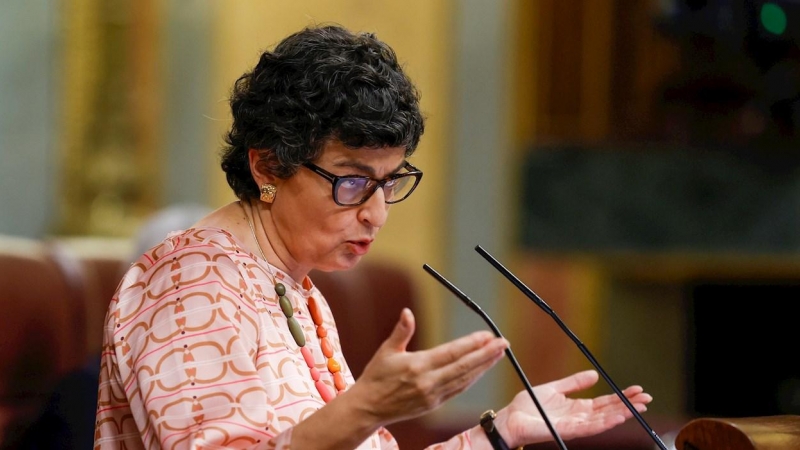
{"type": "Point", "coordinates": [260, 166]}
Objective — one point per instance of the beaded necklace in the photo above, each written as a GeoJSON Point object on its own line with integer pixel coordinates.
{"type": "Point", "coordinates": [297, 332]}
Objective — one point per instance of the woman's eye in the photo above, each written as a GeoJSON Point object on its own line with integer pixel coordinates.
{"type": "Point", "coordinates": [354, 183]}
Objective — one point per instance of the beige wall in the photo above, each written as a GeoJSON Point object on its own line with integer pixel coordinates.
{"type": "Point", "coordinates": [420, 33]}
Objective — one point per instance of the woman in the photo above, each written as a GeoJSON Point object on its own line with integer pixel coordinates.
{"type": "Point", "coordinates": [217, 338]}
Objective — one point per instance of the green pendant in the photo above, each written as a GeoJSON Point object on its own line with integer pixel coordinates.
{"type": "Point", "coordinates": [297, 332]}
{"type": "Point", "coordinates": [280, 289]}
{"type": "Point", "coordinates": [286, 306]}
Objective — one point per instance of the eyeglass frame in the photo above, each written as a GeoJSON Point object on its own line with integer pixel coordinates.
{"type": "Point", "coordinates": [335, 179]}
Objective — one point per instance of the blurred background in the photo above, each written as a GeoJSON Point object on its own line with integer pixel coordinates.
{"type": "Point", "coordinates": [634, 162]}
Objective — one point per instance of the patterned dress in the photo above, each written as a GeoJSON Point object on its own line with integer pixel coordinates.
{"type": "Point", "coordinates": [197, 352]}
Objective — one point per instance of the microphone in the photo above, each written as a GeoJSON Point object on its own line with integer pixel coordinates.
{"type": "Point", "coordinates": [541, 303]}
{"type": "Point", "coordinates": [474, 306]}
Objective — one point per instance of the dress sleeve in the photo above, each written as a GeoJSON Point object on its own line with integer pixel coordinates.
{"type": "Point", "coordinates": [460, 441]}
{"type": "Point", "coordinates": [178, 368]}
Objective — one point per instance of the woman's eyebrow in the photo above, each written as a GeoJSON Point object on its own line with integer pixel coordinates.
{"type": "Point", "coordinates": [367, 169]}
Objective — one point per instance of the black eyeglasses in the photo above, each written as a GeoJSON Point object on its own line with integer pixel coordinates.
{"type": "Point", "coordinates": [352, 190]}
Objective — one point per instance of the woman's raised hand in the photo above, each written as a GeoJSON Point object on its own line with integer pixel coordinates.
{"type": "Point", "coordinates": [520, 422]}
{"type": "Point", "coordinates": [397, 384]}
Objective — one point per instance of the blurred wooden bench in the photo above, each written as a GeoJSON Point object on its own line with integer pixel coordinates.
{"type": "Point", "coordinates": [42, 329]}
{"type": "Point", "coordinates": [748, 433]}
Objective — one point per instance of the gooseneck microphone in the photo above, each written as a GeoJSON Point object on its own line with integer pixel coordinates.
{"type": "Point", "coordinates": [475, 307]}
{"type": "Point", "coordinates": [541, 303]}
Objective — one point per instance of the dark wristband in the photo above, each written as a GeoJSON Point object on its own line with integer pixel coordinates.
{"type": "Point", "coordinates": [487, 423]}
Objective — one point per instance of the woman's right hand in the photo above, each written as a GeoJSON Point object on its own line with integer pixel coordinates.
{"type": "Point", "coordinates": [397, 384]}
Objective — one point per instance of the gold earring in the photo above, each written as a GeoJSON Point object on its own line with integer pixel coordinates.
{"type": "Point", "coordinates": [268, 192]}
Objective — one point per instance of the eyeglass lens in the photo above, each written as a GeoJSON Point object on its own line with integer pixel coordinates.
{"type": "Point", "coordinates": [350, 191]}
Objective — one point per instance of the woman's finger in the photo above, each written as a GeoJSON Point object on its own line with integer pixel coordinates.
{"type": "Point", "coordinates": [573, 383]}
{"type": "Point", "coordinates": [458, 376]}
{"type": "Point", "coordinates": [454, 351]}
{"type": "Point", "coordinates": [634, 394]}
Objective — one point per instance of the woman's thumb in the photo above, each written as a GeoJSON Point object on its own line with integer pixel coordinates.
{"type": "Point", "coordinates": [402, 333]}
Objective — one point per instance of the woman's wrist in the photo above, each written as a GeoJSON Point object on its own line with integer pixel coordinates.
{"type": "Point", "coordinates": [492, 432]}
{"type": "Point", "coordinates": [317, 430]}
{"type": "Point", "coordinates": [490, 429]}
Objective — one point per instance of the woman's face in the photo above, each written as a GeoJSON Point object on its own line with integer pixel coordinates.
{"type": "Point", "coordinates": [312, 231]}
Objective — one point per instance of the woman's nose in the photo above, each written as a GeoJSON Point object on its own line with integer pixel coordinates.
{"type": "Point", "coordinates": [375, 210]}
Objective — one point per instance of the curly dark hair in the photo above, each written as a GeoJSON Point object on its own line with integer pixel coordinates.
{"type": "Point", "coordinates": [319, 84]}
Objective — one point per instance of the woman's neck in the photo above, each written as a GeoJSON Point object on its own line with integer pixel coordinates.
{"type": "Point", "coordinates": [267, 242]}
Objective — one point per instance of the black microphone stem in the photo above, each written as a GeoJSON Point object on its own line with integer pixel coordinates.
{"type": "Point", "coordinates": [475, 307]}
{"type": "Point", "coordinates": [541, 303]}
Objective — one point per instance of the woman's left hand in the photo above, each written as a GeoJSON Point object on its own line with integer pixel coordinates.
{"type": "Point", "coordinates": [520, 422]}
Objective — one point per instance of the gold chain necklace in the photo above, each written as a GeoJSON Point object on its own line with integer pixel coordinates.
{"type": "Point", "coordinates": [297, 332]}
{"type": "Point", "coordinates": [253, 232]}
